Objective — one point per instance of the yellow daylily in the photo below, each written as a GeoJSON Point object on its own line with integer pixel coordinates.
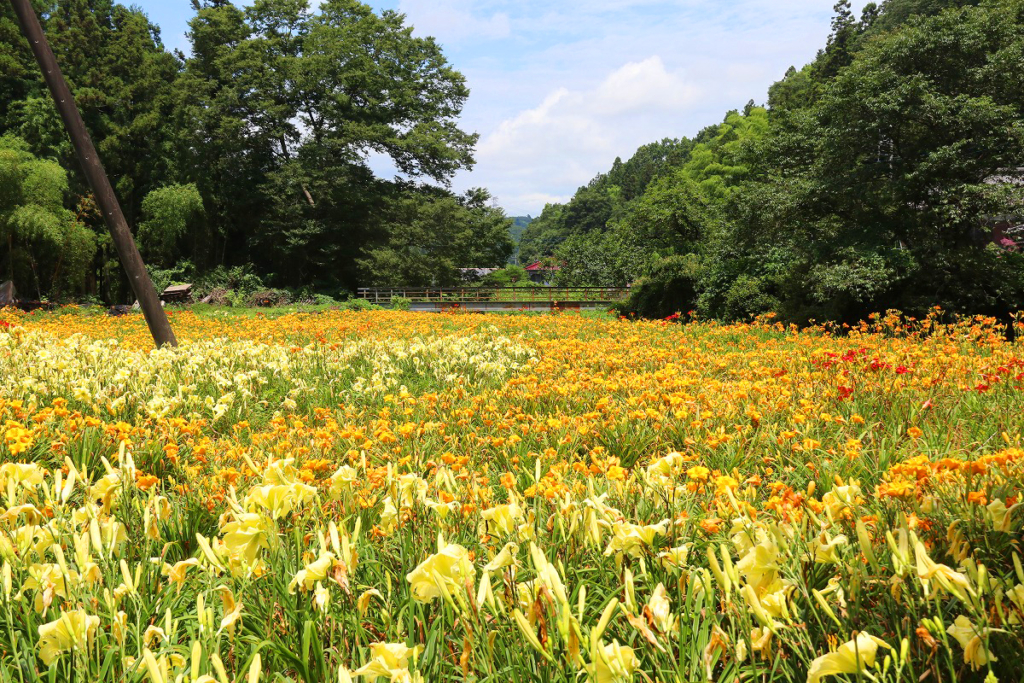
{"type": "Point", "coordinates": [506, 557]}
{"type": "Point", "coordinates": [854, 656]}
{"type": "Point", "coordinates": [443, 571]}
{"type": "Point", "coordinates": [313, 572]}
{"type": "Point", "coordinates": [674, 559]}
{"type": "Point", "coordinates": [388, 660]}
{"type": "Point", "coordinates": [611, 663]}
{"type": "Point", "coordinates": [972, 640]}
{"type": "Point", "coordinates": [279, 499]}
{"type": "Point", "coordinates": [72, 631]}
{"type": "Point", "coordinates": [659, 607]}
{"type": "Point", "coordinates": [631, 539]}
{"type": "Point", "coordinates": [928, 570]}
{"type": "Point", "coordinates": [342, 480]}
{"type": "Point", "coordinates": [760, 566]}
{"type": "Point", "coordinates": [243, 539]}
{"type": "Point", "coordinates": [826, 550]}
{"type": "Point", "coordinates": [176, 573]}
{"type": "Point", "coordinates": [501, 520]}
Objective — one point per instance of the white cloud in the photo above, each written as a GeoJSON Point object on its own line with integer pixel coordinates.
{"type": "Point", "coordinates": [559, 88]}
{"type": "Point", "coordinates": [573, 132]}
{"type": "Point", "coordinates": [453, 20]}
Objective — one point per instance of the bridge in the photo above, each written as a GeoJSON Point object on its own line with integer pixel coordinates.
{"type": "Point", "coordinates": [497, 298]}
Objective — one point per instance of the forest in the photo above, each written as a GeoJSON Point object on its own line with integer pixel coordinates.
{"type": "Point", "coordinates": [247, 160]}
{"type": "Point", "coordinates": [886, 174]}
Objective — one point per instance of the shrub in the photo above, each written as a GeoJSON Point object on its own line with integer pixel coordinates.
{"type": "Point", "coordinates": [358, 305]}
{"type": "Point", "coordinates": [746, 298]}
{"type": "Point", "coordinates": [267, 298]}
{"type": "Point", "coordinates": [401, 303]}
{"type": "Point", "coordinates": [509, 276]}
{"type": "Point", "coordinates": [670, 287]}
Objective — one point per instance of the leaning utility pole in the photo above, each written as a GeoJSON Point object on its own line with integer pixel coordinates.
{"type": "Point", "coordinates": [159, 327]}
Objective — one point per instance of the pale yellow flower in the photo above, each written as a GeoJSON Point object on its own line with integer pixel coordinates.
{"type": "Point", "coordinates": [72, 631]}
{"type": "Point", "coordinates": [313, 572]}
{"type": "Point", "coordinates": [660, 609]}
{"type": "Point", "coordinates": [826, 550]}
{"type": "Point", "coordinates": [500, 520]}
{"type": "Point", "coordinates": [280, 499]}
{"type": "Point", "coordinates": [388, 660]}
{"type": "Point", "coordinates": [972, 640]}
{"type": "Point", "coordinates": [321, 597]}
{"type": "Point", "coordinates": [244, 538]}
{"type": "Point", "coordinates": [928, 570]}
{"type": "Point", "coordinates": [342, 480]}
{"type": "Point", "coordinates": [232, 610]}
{"type": "Point", "coordinates": [411, 489]}
{"type": "Point", "coordinates": [611, 663]}
{"type": "Point", "coordinates": [760, 565]}
{"type": "Point", "coordinates": [841, 499]}
{"type": "Point", "coordinates": [176, 573]}
{"type": "Point", "coordinates": [440, 573]}
{"type": "Point", "coordinates": [506, 557]}
{"type": "Point", "coordinates": [631, 539]}
{"type": "Point", "coordinates": [855, 656]}
{"type": "Point", "coordinates": [28, 475]}
{"type": "Point", "coordinates": [388, 516]}
{"type": "Point", "coordinates": [674, 559]}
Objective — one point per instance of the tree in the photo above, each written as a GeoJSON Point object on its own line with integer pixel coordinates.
{"type": "Point", "coordinates": [431, 235]}
{"type": "Point", "coordinates": [171, 212]}
{"type": "Point", "coordinates": [886, 208]}
{"type": "Point", "coordinates": [48, 250]}
{"type": "Point", "coordinates": [543, 235]}
{"type": "Point", "coordinates": [282, 107]}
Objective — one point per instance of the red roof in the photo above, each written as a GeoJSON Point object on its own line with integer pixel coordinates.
{"type": "Point", "coordinates": [539, 265]}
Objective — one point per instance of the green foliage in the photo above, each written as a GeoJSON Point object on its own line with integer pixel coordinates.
{"type": "Point", "coordinates": [252, 151]}
{"type": "Point", "coordinates": [671, 287]}
{"type": "Point", "coordinates": [747, 297]}
{"type": "Point", "coordinates": [169, 212]}
{"type": "Point", "coordinates": [401, 303]}
{"type": "Point", "coordinates": [509, 276]}
{"type": "Point", "coordinates": [429, 237]}
{"type": "Point", "coordinates": [889, 174]}
{"type": "Point", "coordinates": [358, 305]}
{"type": "Point", "coordinates": [870, 183]}
{"type": "Point", "coordinates": [47, 250]}
{"type": "Point", "coordinates": [542, 235]}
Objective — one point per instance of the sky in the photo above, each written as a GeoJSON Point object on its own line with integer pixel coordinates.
{"type": "Point", "coordinates": [560, 88]}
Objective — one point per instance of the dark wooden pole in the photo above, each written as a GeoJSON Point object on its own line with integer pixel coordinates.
{"type": "Point", "coordinates": [159, 326]}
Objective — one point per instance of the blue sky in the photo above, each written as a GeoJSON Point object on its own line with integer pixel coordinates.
{"type": "Point", "coordinates": [562, 87]}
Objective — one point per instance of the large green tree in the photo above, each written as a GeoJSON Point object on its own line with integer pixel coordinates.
{"type": "Point", "coordinates": [283, 108]}
{"type": "Point", "coordinates": [431, 235]}
{"type": "Point", "coordinates": [879, 195]}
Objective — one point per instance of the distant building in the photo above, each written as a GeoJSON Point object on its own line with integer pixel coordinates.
{"type": "Point", "coordinates": [541, 272]}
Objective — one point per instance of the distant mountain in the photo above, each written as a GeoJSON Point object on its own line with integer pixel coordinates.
{"type": "Point", "coordinates": [519, 224]}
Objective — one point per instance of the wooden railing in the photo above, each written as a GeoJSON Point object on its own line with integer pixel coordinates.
{"type": "Point", "coordinates": [383, 295]}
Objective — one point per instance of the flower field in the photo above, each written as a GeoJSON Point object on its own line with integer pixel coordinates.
{"type": "Point", "coordinates": [418, 497]}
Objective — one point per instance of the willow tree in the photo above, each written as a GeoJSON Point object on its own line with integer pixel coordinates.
{"type": "Point", "coordinates": [48, 249]}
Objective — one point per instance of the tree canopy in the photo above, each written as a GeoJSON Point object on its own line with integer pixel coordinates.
{"type": "Point", "coordinates": [256, 149]}
{"type": "Point", "coordinates": [885, 174]}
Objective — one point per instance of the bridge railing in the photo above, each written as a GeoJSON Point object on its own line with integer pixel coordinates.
{"type": "Point", "coordinates": [383, 295]}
